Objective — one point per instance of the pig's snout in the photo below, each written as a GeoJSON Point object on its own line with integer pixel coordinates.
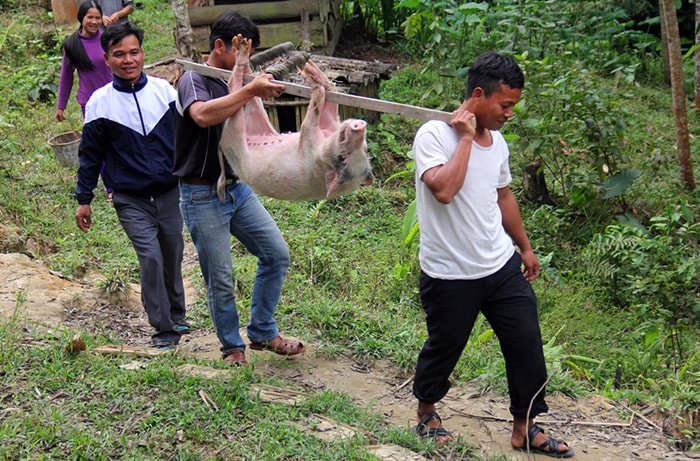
{"type": "Point", "coordinates": [358, 125]}
{"type": "Point", "coordinates": [352, 129]}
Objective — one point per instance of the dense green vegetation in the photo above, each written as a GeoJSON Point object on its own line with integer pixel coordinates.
{"type": "Point", "coordinates": [618, 239]}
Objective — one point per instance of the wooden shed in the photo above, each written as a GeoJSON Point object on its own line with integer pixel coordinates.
{"type": "Point", "coordinates": [351, 76]}
{"type": "Point", "coordinates": [312, 25]}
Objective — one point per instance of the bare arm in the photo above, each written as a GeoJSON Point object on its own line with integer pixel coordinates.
{"type": "Point", "coordinates": [215, 111]}
{"type": "Point", "coordinates": [445, 181]}
{"type": "Point", "coordinates": [123, 13]}
{"type": "Point", "coordinates": [513, 224]}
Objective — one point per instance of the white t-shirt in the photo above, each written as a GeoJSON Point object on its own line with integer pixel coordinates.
{"type": "Point", "coordinates": [464, 239]}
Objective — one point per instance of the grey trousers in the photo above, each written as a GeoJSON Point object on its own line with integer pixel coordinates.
{"type": "Point", "coordinates": [154, 226]}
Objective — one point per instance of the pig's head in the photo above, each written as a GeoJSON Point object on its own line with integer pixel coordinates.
{"type": "Point", "coordinates": [346, 151]}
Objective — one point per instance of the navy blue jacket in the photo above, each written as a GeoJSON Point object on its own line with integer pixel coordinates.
{"type": "Point", "coordinates": [130, 127]}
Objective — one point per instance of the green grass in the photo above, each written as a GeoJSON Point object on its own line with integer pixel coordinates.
{"type": "Point", "coordinates": [63, 406]}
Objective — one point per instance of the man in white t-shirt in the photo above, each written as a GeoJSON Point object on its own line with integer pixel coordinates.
{"type": "Point", "coordinates": [469, 220]}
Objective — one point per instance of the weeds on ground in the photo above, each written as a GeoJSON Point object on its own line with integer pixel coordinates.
{"type": "Point", "coordinates": [68, 405]}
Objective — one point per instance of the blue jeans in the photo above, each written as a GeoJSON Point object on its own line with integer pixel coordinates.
{"type": "Point", "coordinates": [211, 224]}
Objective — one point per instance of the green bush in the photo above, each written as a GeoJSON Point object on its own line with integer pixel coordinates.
{"type": "Point", "coordinates": [639, 271]}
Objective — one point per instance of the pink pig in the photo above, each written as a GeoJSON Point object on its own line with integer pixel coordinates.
{"type": "Point", "coordinates": [323, 160]}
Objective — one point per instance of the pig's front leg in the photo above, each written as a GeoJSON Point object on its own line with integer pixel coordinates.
{"type": "Point", "coordinates": [328, 111]}
{"type": "Point", "coordinates": [310, 134]}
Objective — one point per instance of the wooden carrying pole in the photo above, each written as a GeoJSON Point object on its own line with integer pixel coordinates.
{"type": "Point", "coordinates": [343, 99]}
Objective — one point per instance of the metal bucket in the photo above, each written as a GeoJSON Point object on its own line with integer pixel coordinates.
{"type": "Point", "coordinates": [65, 148]}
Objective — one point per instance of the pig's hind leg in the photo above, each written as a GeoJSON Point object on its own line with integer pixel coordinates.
{"type": "Point", "coordinates": [233, 143]}
{"type": "Point", "coordinates": [241, 48]}
{"type": "Point", "coordinates": [235, 128]}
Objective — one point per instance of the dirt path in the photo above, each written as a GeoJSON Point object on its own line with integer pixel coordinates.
{"type": "Point", "coordinates": [593, 426]}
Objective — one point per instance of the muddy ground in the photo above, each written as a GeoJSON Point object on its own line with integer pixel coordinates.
{"type": "Point", "coordinates": [594, 426]}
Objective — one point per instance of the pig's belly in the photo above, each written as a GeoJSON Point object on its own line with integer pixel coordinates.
{"type": "Point", "coordinates": [278, 169]}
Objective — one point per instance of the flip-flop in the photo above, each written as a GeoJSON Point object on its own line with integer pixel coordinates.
{"type": "Point", "coordinates": [424, 431]}
{"type": "Point", "coordinates": [183, 328]}
{"type": "Point", "coordinates": [551, 443]}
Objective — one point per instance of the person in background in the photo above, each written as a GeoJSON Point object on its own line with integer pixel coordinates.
{"type": "Point", "coordinates": [469, 220]}
{"type": "Point", "coordinates": [129, 125]}
{"type": "Point", "coordinates": [82, 52]}
{"type": "Point", "coordinates": [204, 104]}
{"type": "Point", "coordinates": [116, 11]}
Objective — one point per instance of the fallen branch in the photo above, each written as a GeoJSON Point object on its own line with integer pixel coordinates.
{"type": "Point", "coordinates": [133, 350]}
{"type": "Point", "coordinates": [405, 383]}
{"type": "Point", "coordinates": [544, 421]}
{"type": "Point", "coordinates": [208, 401]}
{"type": "Point", "coordinates": [642, 417]}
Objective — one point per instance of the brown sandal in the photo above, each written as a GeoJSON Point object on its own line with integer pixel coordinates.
{"type": "Point", "coordinates": [236, 358]}
{"type": "Point", "coordinates": [283, 347]}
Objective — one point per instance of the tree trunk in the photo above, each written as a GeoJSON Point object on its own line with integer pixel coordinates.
{"type": "Point", "coordinates": [664, 46]}
{"type": "Point", "coordinates": [534, 185]}
{"type": "Point", "coordinates": [697, 55]}
{"type": "Point", "coordinates": [184, 38]}
{"type": "Point", "coordinates": [670, 20]}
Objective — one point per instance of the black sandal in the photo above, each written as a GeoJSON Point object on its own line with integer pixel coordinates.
{"type": "Point", "coordinates": [551, 443]}
{"type": "Point", "coordinates": [424, 431]}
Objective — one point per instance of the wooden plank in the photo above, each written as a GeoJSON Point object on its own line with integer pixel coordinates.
{"type": "Point", "coordinates": [202, 371]}
{"type": "Point", "coordinates": [393, 452]}
{"type": "Point", "coordinates": [344, 99]}
{"type": "Point", "coordinates": [270, 35]}
{"type": "Point", "coordinates": [138, 351]}
{"type": "Point", "coordinates": [258, 12]}
{"type": "Point", "coordinates": [382, 69]}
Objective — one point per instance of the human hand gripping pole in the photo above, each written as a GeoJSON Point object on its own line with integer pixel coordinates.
{"type": "Point", "coordinates": [464, 122]}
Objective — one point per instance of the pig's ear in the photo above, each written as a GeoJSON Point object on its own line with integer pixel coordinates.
{"type": "Point", "coordinates": [332, 179]}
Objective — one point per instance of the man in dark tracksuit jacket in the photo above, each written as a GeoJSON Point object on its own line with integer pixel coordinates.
{"type": "Point", "coordinates": [129, 125]}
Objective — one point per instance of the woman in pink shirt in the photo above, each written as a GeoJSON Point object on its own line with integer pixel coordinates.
{"type": "Point", "coordinates": [83, 52]}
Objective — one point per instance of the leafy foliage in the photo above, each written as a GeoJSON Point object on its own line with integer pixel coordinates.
{"type": "Point", "coordinates": [640, 272]}
{"type": "Point", "coordinates": [373, 19]}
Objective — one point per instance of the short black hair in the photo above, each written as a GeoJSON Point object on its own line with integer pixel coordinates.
{"type": "Point", "coordinates": [116, 32]}
{"type": "Point", "coordinates": [232, 23]}
{"type": "Point", "coordinates": [490, 70]}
